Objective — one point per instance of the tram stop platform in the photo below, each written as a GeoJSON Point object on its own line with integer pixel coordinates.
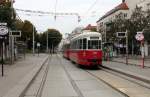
{"type": "Point", "coordinates": [18, 75]}
{"type": "Point", "coordinates": [132, 69]}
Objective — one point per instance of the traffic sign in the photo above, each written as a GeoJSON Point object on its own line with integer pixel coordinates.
{"type": "Point", "coordinates": [15, 33]}
{"type": "Point", "coordinates": [139, 36]}
{"type": "Point", "coordinates": [3, 30]}
{"type": "Point", "coordinates": [3, 24]}
{"type": "Point", "coordinates": [121, 34]}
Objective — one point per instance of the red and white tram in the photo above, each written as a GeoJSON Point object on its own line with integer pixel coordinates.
{"type": "Point", "coordinates": [85, 49]}
{"type": "Point", "coordinates": [66, 50]}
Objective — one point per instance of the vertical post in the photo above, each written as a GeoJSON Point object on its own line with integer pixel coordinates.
{"type": "Point", "coordinates": [47, 41]}
{"type": "Point", "coordinates": [105, 37]}
{"type": "Point", "coordinates": [2, 60]}
{"type": "Point", "coordinates": [132, 48]}
{"type": "Point", "coordinates": [126, 47]}
{"type": "Point", "coordinates": [52, 49]}
{"type": "Point", "coordinates": [38, 50]}
{"type": "Point", "coordinates": [142, 53]}
{"type": "Point", "coordinates": [33, 42]}
{"type": "Point", "coordinates": [11, 45]}
{"type": "Point", "coordinates": [12, 48]}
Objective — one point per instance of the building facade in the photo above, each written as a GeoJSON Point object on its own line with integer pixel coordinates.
{"type": "Point", "coordinates": [125, 9]}
{"type": "Point", "coordinates": [122, 10]}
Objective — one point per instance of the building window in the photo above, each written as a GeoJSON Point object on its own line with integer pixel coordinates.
{"type": "Point", "coordinates": [125, 15]}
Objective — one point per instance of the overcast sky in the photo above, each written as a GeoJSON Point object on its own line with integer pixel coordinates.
{"type": "Point", "coordinates": [89, 10]}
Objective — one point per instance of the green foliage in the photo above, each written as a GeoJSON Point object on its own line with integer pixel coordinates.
{"type": "Point", "coordinates": [7, 14]}
{"type": "Point", "coordinates": [138, 21]}
{"type": "Point", "coordinates": [26, 29]}
{"type": "Point", "coordinates": [54, 38]}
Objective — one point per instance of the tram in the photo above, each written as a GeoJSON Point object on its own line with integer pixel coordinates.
{"type": "Point", "coordinates": [85, 49]}
{"type": "Point", "coordinates": [66, 50]}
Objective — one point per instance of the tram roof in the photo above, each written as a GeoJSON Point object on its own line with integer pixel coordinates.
{"type": "Point", "coordinates": [86, 34]}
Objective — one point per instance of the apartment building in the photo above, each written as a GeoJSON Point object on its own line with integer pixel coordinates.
{"type": "Point", "coordinates": [120, 10]}
{"type": "Point", "coordinates": [125, 9]}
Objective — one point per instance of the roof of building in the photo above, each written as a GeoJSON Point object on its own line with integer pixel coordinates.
{"type": "Point", "coordinates": [89, 27]}
{"type": "Point", "coordinates": [122, 6]}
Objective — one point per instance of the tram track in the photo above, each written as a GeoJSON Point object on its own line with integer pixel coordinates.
{"type": "Point", "coordinates": [130, 79]}
{"type": "Point", "coordinates": [80, 92]}
{"type": "Point", "coordinates": [126, 85]}
{"type": "Point", "coordinates": [70, 78]}
{"type": "Point", "coordinates": [103, 75]}
{"type": "Point", "coordinates": [125, 95]}
{"type": "Point", "coordinates": [37, 91]}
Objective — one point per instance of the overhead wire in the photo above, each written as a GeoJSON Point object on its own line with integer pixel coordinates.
{"type": "Point", "coordinates": [89, 9]}
{"type": "Point", "coordinates": [46, 13]}
{"type": "Point", "coordinates": [43, 13]}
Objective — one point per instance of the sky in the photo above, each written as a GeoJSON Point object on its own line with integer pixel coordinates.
{"type": "Point", "coordinates": [89, 11]}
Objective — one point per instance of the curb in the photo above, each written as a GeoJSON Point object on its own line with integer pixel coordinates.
{"type": "Point", "coordinates": [24, 84]}
{"type": "Point", "coordinates": [128, 63]}
{"type": "Point", "coordinates": [129, 74]}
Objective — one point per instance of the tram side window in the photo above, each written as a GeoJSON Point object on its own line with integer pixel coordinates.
{"type": "Point", "coordinates": [76, 43]}
{"type": "Point", "coordinates": [99, 44]}
{"type": "Point", "coordinates": [80, 44]}
{"type": "Point", "coordinates": [93, 44]}
{"type": "Point", "coordinates": [84, 43]}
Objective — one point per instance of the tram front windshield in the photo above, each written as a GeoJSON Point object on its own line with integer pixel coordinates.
{"type": "Point", "coordinates": [94, 44]}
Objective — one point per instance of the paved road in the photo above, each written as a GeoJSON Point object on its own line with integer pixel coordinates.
{"type": "Point", "coordinates": [65, 79]}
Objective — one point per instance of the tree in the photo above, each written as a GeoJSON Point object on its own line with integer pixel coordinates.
{"type": "Point", "coordinates": [147, 28]}
{"type": "Point", "coordinates": [26, 29]}
{"type": "Point", "coordinates": [54, 38]}
{"type": "Point", "coordinates": [7, 14]}
{"type": "Point", "coordinates": [117, 25]}
{"type": "Point", "coordinates": [138, 20]}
